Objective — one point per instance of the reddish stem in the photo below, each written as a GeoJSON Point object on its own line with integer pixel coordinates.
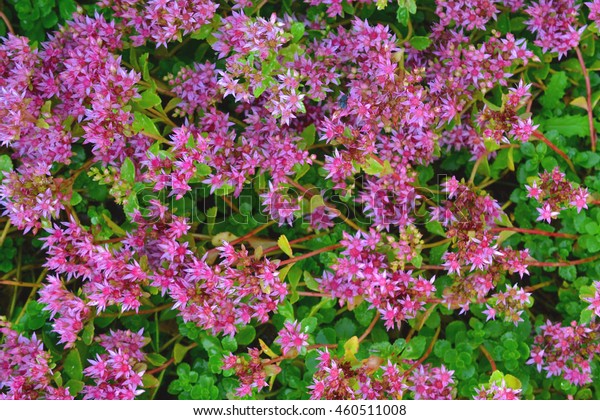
{"type": "Point", "coordinates": [19, 283]}
{"type": "Point", "coordinates": [310, 254]}
{"type": "Point", "coordinates": [295, 241]}
{"type": "Point", "coordinates": [369, 328]}
{"type": "Point", "coordinates": [562, 263]}
{"type": "Point", "coordinates": [309, 195]}
{"type": "Point", "coordinates": [7, 22]}
{"type": "Point", "coordinates": [488, 356]}
{"type": "Point", "coordinates": [535, 232]}
{"type": "Point", "coordinates": [588, 88]}
{"type": "Point", "coordinates": [551, 145]}
{"type": "Point", "coordinates": [313, 294]}
{"type": "Point", "coordinates": [230, 204]}
{"type": "Point", "coordinates": [426, 355]}
{"type": "Point", "coordinates": [131, 313]}
{"type": "Point", "coordinates": [539, 286]}
{"type": "Point", "coordinates": [319, 346]}
{"type": "Point", "coordinates": [161, 367]}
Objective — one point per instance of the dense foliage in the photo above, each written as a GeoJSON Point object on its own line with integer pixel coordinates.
{"type": "Point", "coordinates": [341, 199]}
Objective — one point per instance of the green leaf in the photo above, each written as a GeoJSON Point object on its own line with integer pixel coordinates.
{"type": "Point", "coordinates": [5, 165]}
{"type": "Point", "coordinates": [372, 166]}
{"type": "Point", "coordinates": [513, 382]}
{"type": "Point", "coordinates": [345, 328]}
{"type": "Point", "coordinates": [149, 99]}
{"type": "Point", "coordinates": [50, 20]}
{"type": "Point", "coordinates": [350, 349]}
{"type": "Point", "coordinates": [75, 198]}
{"type": "Point", "coordinates": [143, 60]}
{"type": "Point", "coordinates": [118, 230]}
{"type": "Point", "coordinates": [402, 16]}
{"type": "Point", "coordinates": [310, 281]}
{"type": "Point", "coordinates": [211, 344]}
{"type": "Point", "coordinates": [567, 125]}
{"type": "Point", "coordinates": [309, 135]}
{"type": "Point", "coordinates": [435, 227]}
{"type": "Point", "coordinates": [420, 42]}
{"type": "Point", "coordinates": [286, 310]}
{"type": "Point", "coordinates": [246, 335]}
{"type": "Point", "coordinates": [297, 29]}
{"type": "Point", "coordinates": [203, 32]}
{"type": "Point", "coordinates": [128, 171]}
{"type": "Point", "coordinates": [142, 123]}
{"type": "Point", "coordinates": [363, 314]}
{"type": "Point", "coordinates": [587, 159]}
{"type": "Point", "coordinates": [285, 246]}
{"type": "Point", "coordinates": [74, 386]}
{"type": "Point", "coordinates": [156, 359]}
{"type": "Point", "coordinates": [211, 215]}
{"type": "Point", "coordinates": [229, 343]}
{"type": "Point", "coordinates": [555, 91]}
{"type": "Point", "coordinates": [131, 204]}
{"type": "Point", "coordinates": [66, 8]}
{"type": "Point", "coordinates": [309, 324]}
{"type": "Point", "coordinates": [179, 352]}
{"type": "Point", "coordinates": [88, 333]}
{"type": "Point", "coordinates": [415, 348]}
{"type": "Point", "coordinates": [150, 381]}
{"type": "Point", "coordinates": [72, 365]}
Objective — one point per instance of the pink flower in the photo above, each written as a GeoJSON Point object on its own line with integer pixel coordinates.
{"type": "Point", "coordinates": [580, 198]}
{"type": "Point", "coordinates": [291, 337]}
{"type": "Point", "coordinates": [546, 213]}
{"type": "Point", "coordinates": [533, 191]}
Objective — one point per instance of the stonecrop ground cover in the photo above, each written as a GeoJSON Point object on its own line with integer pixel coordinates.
{"type": "Point", "coordinates": [286, 199]}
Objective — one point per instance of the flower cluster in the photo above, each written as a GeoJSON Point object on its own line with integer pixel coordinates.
{"type": "Point", "coordinates": [566, 351]}
{"type": "Point", "coordinates": [117, 374]}
{"type": "Point", "coordinates": [594, 15]}
{"type": "Point", "coordinates": [196, 87]}
{"type": "Point", "coordinates": [467, 14]}
{"type": "Point", "coordinates": [72, 310]}
{"type": "Point", "coordinates": [469, 217]}
{"type": "Point", "coordinates": [594, 299]}
{"type": "Point", "coordinates": [556, 194]}
{"type": "Point", "coordinates": [279, 205]}
{"type": "Point", "coordinates": [432, 383]}
{"type": "Point", "coordinates": [111, 276]}
{"type": "Point", "coordinates": [337, 379]}
{"type": "Point", "coordinates": [161, 22]}
{"type": "Point", "coordinates": [73, 84]}
{"type": "Point", "coordinates": [555, 24]}
{"type": "Point", "coordinates": [107, 133]}
{"type": "Point", "coordinates": [363, 271]}
{"type": "Point", "coordinates": [291, 338]}
{"type": "Point", "coordinates": [30, 196]}
{"type": "Point", "coordinates": [26, 369]}
{"type": "Point", "coordinates": [251, 371]}
{"type": "Point", "coordinates": [509, 304]}
{"type": "Point", "coordinates": [501, 124]}
{"type": "Point", "coordinates": [497, 391]}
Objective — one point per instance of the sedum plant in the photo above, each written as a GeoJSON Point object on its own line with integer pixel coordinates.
{"type": "Point", "coordinates": [315, 199]}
